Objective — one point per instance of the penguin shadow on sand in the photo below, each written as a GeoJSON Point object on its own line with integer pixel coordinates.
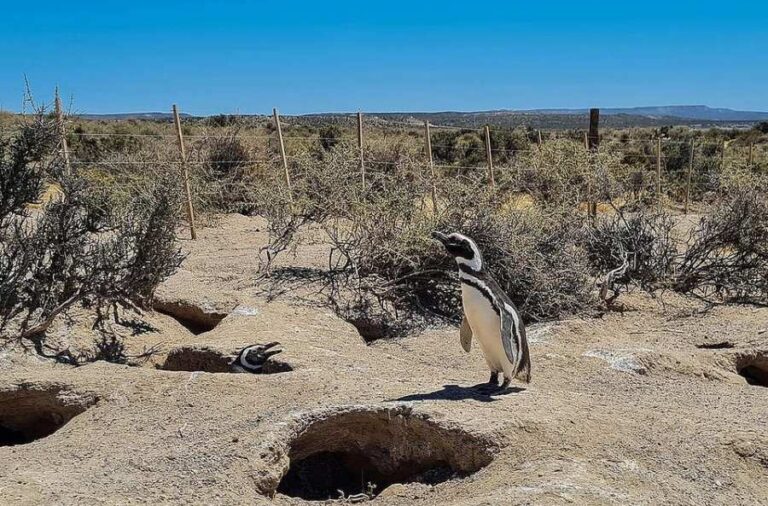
{"type": "Point", "coordinates": [459, 393]}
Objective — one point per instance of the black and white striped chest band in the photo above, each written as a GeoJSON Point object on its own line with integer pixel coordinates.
{"type": "Point", "coordinates": [482, 288]}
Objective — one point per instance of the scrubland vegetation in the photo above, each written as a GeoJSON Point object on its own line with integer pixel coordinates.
{"type": "Point", "coordinates": [67, 239]}
{"type": "Point", "coordinates": [107, 237]}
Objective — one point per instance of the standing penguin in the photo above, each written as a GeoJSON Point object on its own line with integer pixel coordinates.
{"type": "Point", "coordinates": [489, 315]}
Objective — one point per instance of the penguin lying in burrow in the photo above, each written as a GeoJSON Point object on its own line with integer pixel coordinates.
{"type": "Point", "coordinates": [253, 358]}
{"type": "Point", "coordinates": [489, 316]}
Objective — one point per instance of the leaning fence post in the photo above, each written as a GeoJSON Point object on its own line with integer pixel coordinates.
{"type": "Point", "coordinates": [360, 145]}
{"type": "Point", "coordinates": [276, 115]}
{"type": "Point", "coordinates": [428, 139]}
{"type": "Point", "coordinates": [185, 173]}
{"type": "Point", "coordinates": [61, 132]}
{"type": "Point", "coordinates": [658, 173]}
{"type": "Point", "coordinates": [688, 179]}
{"type": "Point", "coordinates": [489, 156]}
{"type": "Point", "coordinates": [538, 138]}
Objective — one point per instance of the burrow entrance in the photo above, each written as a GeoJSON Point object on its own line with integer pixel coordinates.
{"type": "Point", "coordinates": [29, 414]}
{"type": "Point", "coordinates": [205, 359]}
{"type": "Point", "coordinates": [197, 320]}
{"type": "Point", "coordinates": [753, 367]}
{"type": "Point", "coordinates": [360, 451]}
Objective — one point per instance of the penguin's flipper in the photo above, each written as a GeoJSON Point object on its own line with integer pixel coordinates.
{"type": "Point", "coordinates": [515, 343]}
{"type": "Point", "coordinates": [465, 334]}
{"type": "Point", "coordinates": [509, 335]}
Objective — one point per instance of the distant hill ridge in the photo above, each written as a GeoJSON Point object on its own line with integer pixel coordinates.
{"type": "Point", "coordinates": [651, 116]}
{"type": "Point", "coordinates": [698, 112]}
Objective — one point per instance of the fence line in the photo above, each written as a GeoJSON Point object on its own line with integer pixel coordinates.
{"type": "Point", "coordinates": [651, 149]}
{"type": "Point", "coordinates": [610, 140]}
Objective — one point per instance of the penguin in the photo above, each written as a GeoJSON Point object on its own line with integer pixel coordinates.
{"type": "Point", "coordinates": [489, 315]}
{"type": "Point", "coordinates": [252, 358]}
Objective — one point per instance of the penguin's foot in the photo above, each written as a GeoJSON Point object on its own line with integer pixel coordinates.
{"type": "Point", "coordinates": [493, 383]}
{"type": "Point", "coordinates": [495, 388]}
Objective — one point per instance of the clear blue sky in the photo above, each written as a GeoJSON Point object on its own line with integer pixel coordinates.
{"type": "Point", "coordinates": [227, 57]}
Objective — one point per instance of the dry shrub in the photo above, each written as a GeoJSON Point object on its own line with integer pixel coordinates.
{"type": "Point", "coordinates": [91, 146]}
{"type": "Point", "coordinates": [227, 156]}
{"type": "Point", "coordinates": [227, 169]}
{"type": "Point", "coordinates": [556, 174]}
{"type": "Point", "coordinates": [81, 248]}
{"type": "Point", "coordinates": [727, 256]}
{"type": "Point", "coordinates": [386, 275]}
{"type": "Point", "coordinates": [643, 237]}
{"type": "Point", "coordinates": [563, 174]}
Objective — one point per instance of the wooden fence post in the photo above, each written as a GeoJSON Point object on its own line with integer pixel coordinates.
{"type": "Point", "coordinates": [428, 139]}
{"type": "Point", "coordinates": [61, 131]}
{"type": "Point", "coordinates": [276, 116]}
{"type": "Point", "coordinates": [489, 156]}
{"type": "Point", "coordinates": [688, 179]}
{"type": "Point", "coordinates": [586, 141]}
{"type": "Point", "coordinates": [538, 138]}
{"type": "Point", "coordinates": [593, 139]}
{"type": "Point", "coordinates": [593, 144]}
{"type": "Point", "coordinates": [185, 173]}
{"type": "Point", "coordinates": [658, 173]}
{"type": "Point", "coordinates": [360, 145]}
{"type": "Point", "coordinates": [751, 151]}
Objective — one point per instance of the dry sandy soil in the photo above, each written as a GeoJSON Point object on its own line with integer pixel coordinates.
{"type": "Point", "coordinates": [623, 409]}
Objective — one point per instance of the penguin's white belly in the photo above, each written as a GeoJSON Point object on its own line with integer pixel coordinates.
{"type": "Point", "coordinates": [486, 328]}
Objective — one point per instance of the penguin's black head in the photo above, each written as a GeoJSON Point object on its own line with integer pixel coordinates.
{"type": "Point", "coordinates": [255, 356]}
{"type": "Point", "coordinates": [464, 249]}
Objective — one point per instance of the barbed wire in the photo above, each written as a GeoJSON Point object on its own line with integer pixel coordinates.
{"type": "Point", "coordinates": [609, 140]}
{"type": "Point", "coordinates": [276, 159]}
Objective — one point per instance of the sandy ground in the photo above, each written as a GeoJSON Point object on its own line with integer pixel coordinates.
{"type": "Point", "coordinates": [623, 409]}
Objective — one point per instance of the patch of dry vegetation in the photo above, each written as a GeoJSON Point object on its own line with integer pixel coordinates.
{"type": "Point", "coordinates": [383, 272]}
{"type": "Point", "coordinates": [83, 247]}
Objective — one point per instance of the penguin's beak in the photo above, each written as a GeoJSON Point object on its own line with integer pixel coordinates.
{"type": "Point", "coordinates": [266, 347]}
{"type": "Point", "coordinates": [440, 237]}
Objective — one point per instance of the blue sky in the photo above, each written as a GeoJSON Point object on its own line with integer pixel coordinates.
{"type": "Point", "coordinates": [246, 57]}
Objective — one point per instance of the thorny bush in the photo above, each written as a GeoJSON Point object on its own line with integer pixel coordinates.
{"type": "Point", "coordinates": [727, 257]}
{"type": "Point", "coordinates": [385, 274]}
{"type": "Point", "coordinates": [81, 247]}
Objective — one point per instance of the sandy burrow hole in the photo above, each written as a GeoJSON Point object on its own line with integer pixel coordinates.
{"type": "Point", "coordinates": [197, 320]}
{"type": "Point", "coordinates": [348, 452]}
{"type": "Point", "coordinates": [200, 358]}
{"type": "Point", "coordinates": [29, 413]}
{"type": "Point", "coordinates": [752, 366]}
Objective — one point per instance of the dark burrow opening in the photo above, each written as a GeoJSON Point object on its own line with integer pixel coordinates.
{"type": "Point", "coordinates": [370, 329]}
{"type": "Point", "coordinates": [208, 360]}
{"type": "Point", "coordinates": [753, 366]}
{"type": "Point", "coordinates": [365, 451]}
{"type": "Point", "coordinates": [755, 375]}
{"type": "Point", "coordinates": [191, 317]}
{"type": "Point", "coordinates": [27, 415]}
